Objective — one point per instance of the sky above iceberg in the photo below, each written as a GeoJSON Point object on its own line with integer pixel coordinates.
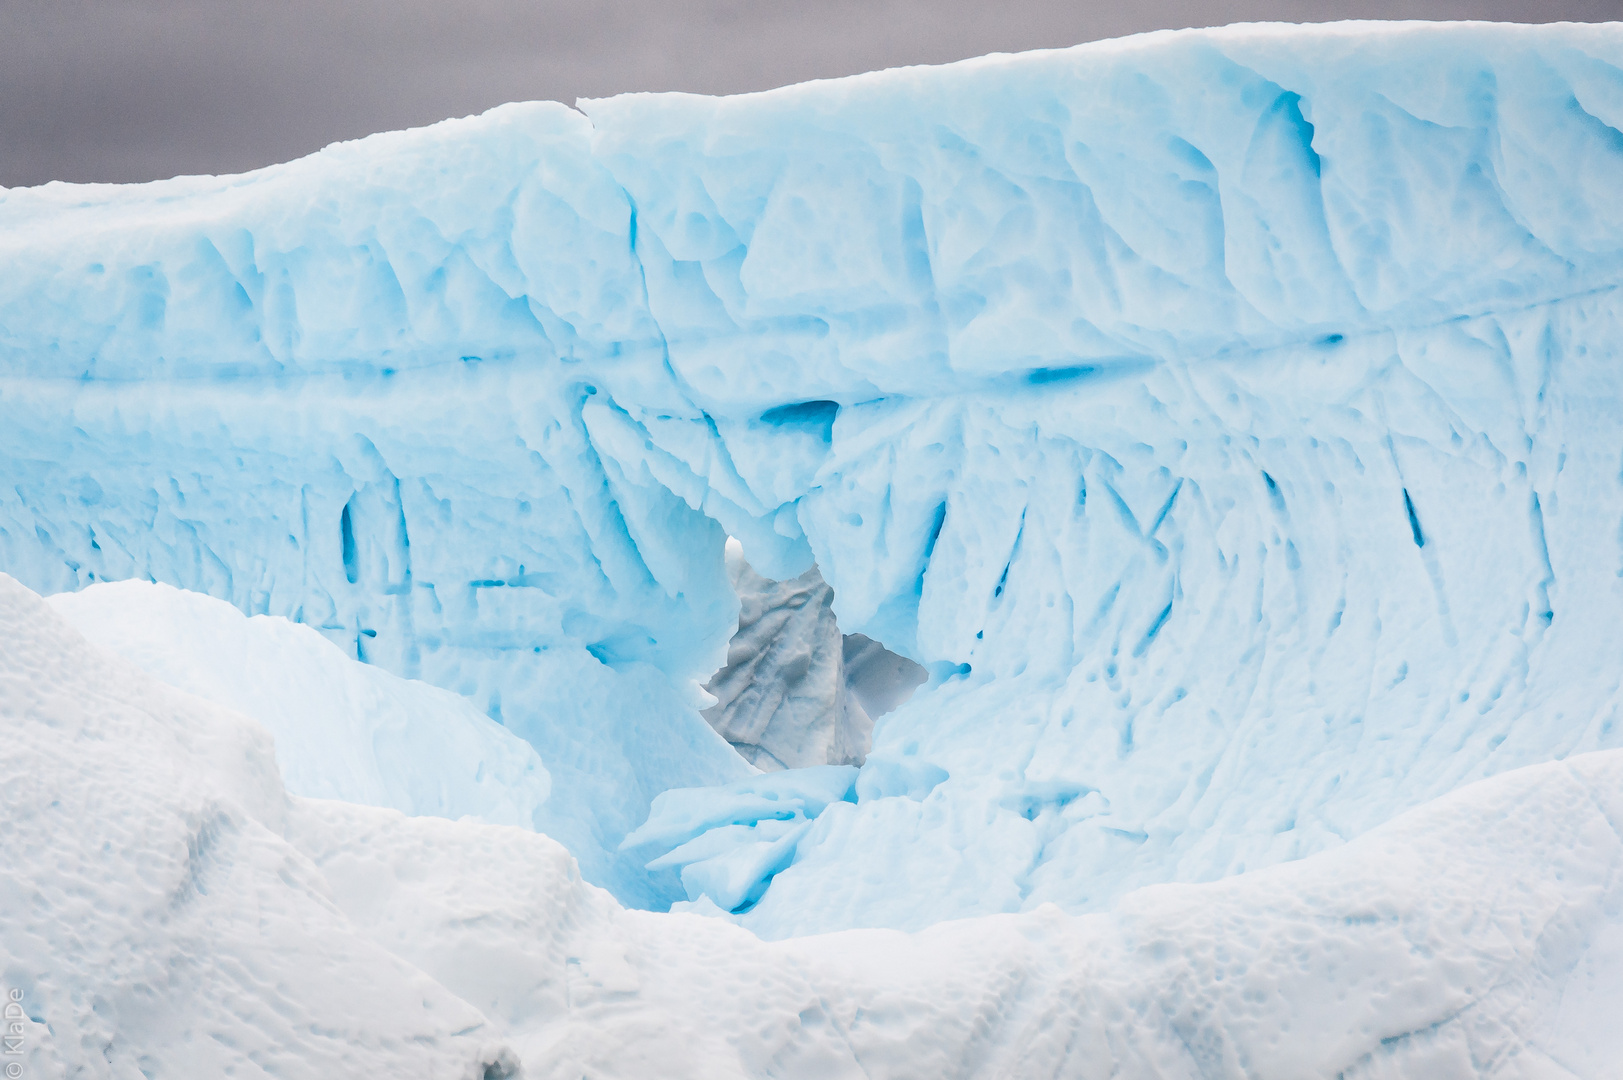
{"type": "Point", "coordinates": [92, 90]}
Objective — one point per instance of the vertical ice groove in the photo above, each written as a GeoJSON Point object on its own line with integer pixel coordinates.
{"type": "Point", "coordinates": [618, 531]}
{"type": "Point", "coordinates": [1414, 520]}
{"type": "Point", "coordinates": [346, 530]}
{"type": "Point", "coordinates": [1536, 519]}
{"type": "Point", "coordinates": [1166, 507]}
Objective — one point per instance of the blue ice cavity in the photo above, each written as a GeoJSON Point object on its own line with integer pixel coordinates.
{"type": "Point", "coordinates": [1233, 415]}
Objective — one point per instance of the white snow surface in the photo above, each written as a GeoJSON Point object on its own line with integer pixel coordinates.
{"type": "Point", "coordinates": [152, 914]}
{"type": "Point", "coordinates": [342, 730]}
{"type": "Point", "coordinates": [168, 910]}
{"type": "Point", "coordinates": [1228, 420]}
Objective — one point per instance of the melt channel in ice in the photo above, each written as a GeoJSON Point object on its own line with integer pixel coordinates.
{"type": "Point", "coordinates": [1228, 422]}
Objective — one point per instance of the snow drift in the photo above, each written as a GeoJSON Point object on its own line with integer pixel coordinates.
{"type": "Point", "coordinates": [169, 910]}
{"type": "Point", "coordinates": [343, 730]}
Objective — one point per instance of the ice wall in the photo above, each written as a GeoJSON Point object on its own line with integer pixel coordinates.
{"type": "Point", "coordinates": [1228, 419]}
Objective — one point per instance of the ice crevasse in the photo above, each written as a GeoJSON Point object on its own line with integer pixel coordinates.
{"type": "Point", "coordinates": [1228, 421]}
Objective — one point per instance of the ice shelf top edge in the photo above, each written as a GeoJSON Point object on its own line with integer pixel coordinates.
{"type": "Point", "coordinates": [1602, 40]}
{"type": "Point", "coordinates": [1000, 223]}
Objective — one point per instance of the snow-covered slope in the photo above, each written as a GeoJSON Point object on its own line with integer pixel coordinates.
{"type": "Point", "coordinates": [1228, 420]}
{"type": "Point", "coordinates": [169, 911]}
{"type": "Point", "coordinates": [153, 917]}
{"type": "Point", "coordinates": [1448, 943]}
{"type": "Point", "coordinates": [342, 730]}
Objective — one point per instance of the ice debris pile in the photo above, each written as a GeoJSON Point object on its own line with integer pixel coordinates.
{"type": "Point", "coordinates": [728, 842]}
{"type": "Point", "coordinates": [1226, 421]}
{"type": "Point", "coordinates": [169, 910]}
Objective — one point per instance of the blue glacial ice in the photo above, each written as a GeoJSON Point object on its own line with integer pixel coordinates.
{"type": "Point", "coordinates": [1227, 421]}
{"type": "Point", "coordinates": [729, 842]}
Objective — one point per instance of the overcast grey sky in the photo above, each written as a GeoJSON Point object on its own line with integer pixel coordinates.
{"type": "Point", "coordinates": [128, 90]}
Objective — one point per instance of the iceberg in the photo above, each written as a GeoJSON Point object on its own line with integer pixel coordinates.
{"type": "Point", "coordinates": [1226, 422]}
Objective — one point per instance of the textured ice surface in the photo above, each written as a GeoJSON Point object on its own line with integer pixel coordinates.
{"type": "Point", "coordinates": [1229, 421]}
{"type": "Point", "coordinates": [168, 910]}
{"type": "Point", "coordinates": [729, 841]}
{"type": "Point", "coordinates": [342, 730]}
{"type": "Point", "coordinates": [878, 679]}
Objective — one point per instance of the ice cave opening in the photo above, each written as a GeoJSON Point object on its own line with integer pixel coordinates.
{"type": "Point", "coordinates": [795, 691]}
{"type": "Point", "coordinates": [797, 699]}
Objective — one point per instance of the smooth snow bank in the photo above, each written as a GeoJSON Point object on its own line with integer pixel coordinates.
{"type": "Point", "coordinates": [342, 729]}
{"type": "Point", "coordinates": [169, 911]}
{"type": "Point", "coordinates": [1228, 420]}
